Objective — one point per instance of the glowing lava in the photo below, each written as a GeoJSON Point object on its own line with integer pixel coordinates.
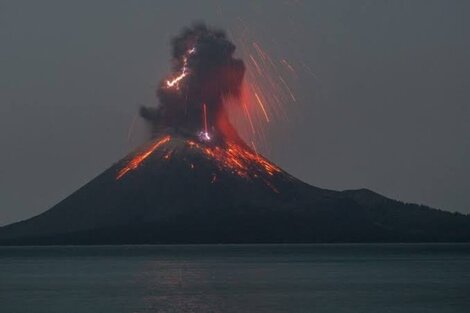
{"type": "Point", "coordinates": [230, 157]}
{"type": "Point", "coordinates": [237, 159]}
{"type": "Point", "coordinates": [138, 159]}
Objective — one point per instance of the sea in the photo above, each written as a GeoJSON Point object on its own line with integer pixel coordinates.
{"type": "Point", "coordinates": [362, 278]}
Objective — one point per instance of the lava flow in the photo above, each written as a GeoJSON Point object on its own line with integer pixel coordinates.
{"type": "Point", "coordinates": [139, 158]}
{"type": "Point", "coordinates": [237, 159]}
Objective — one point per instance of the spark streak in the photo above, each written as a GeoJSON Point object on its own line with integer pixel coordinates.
{"type": "Point", "coordinates": [205, 117]}
{"type": "Point", "coordinates": [204, 135]}
{"type": "Point", "coordinates": [267, 90]}
{"type": "Point", "coordinates": [247, 113]}
{"type": "Point", "coordinates": [262, 107]}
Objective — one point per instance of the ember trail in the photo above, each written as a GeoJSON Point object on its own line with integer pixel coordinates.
{"type": "Point", "coordinates": [192, 105]}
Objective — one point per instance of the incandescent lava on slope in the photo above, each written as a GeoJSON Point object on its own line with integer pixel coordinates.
{"type": "Point", "coordinates": [140, 157]}
{"type": "Point", "coordinates": [229, 156]}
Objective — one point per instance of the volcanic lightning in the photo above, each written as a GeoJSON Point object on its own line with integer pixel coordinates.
{"type": "Point", "coordinates": [184, 71]}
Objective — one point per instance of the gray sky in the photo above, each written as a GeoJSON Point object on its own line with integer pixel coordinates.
{"type": "Point", "coordinates": [387, 107]}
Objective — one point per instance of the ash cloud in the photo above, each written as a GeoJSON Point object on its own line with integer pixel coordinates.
{"type": "Point", "coordinates": [204, 73]}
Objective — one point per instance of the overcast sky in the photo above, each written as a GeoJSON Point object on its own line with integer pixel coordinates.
{"type": "Point", "coordinates": [385, 107]}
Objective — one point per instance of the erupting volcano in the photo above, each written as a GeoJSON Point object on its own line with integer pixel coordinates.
{"type": "Point", "coordinates": [192, 106]}
{"type": "Point", "coordinates": [197, 181]}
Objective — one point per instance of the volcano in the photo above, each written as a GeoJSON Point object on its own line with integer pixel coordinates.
{"type": "Point", "coordinates": [197, 181]}
{"type": "Point", "coordinates": [177, 189]}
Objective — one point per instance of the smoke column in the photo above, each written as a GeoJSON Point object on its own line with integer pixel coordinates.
{"type": "Point", "coordinates": [204, 74]}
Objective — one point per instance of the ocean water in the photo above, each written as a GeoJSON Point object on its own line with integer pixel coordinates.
{"type": "Point", "coordinates": [236, 278]}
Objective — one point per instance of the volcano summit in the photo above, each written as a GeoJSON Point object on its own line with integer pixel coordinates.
{"type": "Point", "coordinates": [197, 181]}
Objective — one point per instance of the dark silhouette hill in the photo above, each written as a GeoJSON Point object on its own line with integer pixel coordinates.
{"type": "Point", "coordinates": [178, 189]}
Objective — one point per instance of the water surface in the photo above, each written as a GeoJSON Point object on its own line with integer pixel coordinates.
{"type": "Point", "coordinates": [236, 278]}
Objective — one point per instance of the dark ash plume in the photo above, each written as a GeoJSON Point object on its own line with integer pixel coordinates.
{"type": "Point", "coordinates": [204, 73]}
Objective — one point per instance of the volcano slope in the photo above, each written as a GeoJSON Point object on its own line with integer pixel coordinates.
{"type": "Point", "coordinates": [177, 189]}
